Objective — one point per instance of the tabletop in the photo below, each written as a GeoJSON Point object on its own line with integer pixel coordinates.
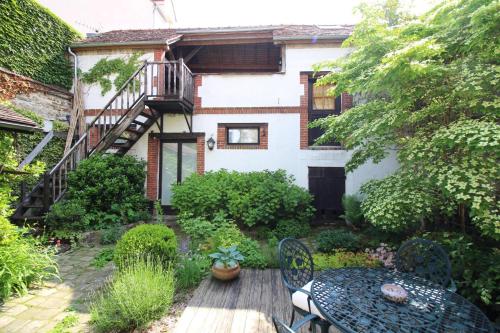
{"type": "Point", "coordinates": [351, 299]}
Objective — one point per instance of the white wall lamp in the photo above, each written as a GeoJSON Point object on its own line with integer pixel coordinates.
{"type": "Point", "coordinates": [211, 143]}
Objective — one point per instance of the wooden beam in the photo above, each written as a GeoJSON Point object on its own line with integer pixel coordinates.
{"type": "Point", "coordinates": [34, 153]}
{"type": "Point", "coordinates": [192, 54]}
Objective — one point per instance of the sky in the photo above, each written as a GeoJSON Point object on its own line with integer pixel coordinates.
{"type": "Point", "coordinates": [105, 15]}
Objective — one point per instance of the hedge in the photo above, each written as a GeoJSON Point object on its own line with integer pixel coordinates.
{"type": "Point", "coordinates": [33, 42]}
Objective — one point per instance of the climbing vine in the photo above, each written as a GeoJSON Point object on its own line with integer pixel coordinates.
{"type": "Point", "coordinates": [33, 42]}
{"type": "Point", "coordinates": [108, 72]}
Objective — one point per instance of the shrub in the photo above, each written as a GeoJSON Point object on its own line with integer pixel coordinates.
{"type": "Point", "coordinates": [198, 228]}
{"type": "Point", "coordinates": [353, 214]}
{"type": "Point", "coordinates": [112, 234]}
{"type": "Point", "coordinates": [141, 292]}
{"type": "Point", "coordinates": [270, 252]}
{"type": "Point", "coordinates": [229, 235]}
{"type": "Point", "coordinates": [68, 214]}
{"type": "Point", "coordinates": [344, 259]}
{"type": "Point", "coordinates": [103, 190]}
{"type": "Point", "coordinates": [291, 228]}
{"type": "Point", "coordinates": [146, 240]}
{"type": "Point", "coordinates": [331, 240]}
{"type": "Point", "coordinates": [475, 267]}
{"type": "Point", "coordinates": [190, 270]}
{"type": "Point", "coordinates": [24, 262]}
{"type": "Point", "coordinates": [103, 257]}
{"type": "Point", "coordinates": [253, 198]}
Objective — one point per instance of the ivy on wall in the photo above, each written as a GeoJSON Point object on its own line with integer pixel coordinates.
{"type": "Point", "coordinates": [33, 42]}
{"type": "Point", "coordinates": [105, 69]}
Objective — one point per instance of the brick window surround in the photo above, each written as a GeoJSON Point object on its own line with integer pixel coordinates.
{"type": "Point", "coordinates": [222, 136]}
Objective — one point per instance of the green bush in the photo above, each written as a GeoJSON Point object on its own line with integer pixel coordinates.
{"type": "Point", "coordinates": [146, 240]}
{"type": "Point", "coordinates": [190, 270]}
{"type": "Point", "coordinates": [103, 190]}
{"type": "Point", "coordinates": [103, 257]}
{"type": "Point", "coordinates": [24, 262]}
{"type": "Point", "coordinates": [270, 252]}
{"type": "Point", "coordinates": [292, 228]}
{"type": "Point", "coordinates": [342, 259]}
{"type": "Point", "coordinates": [228, 234]}
{"type": "Point", "coordinates": [141, 292]}
{"type": "Point", "coordinates": [475, 268]}
{"type": "Point", "coordinates": [353, 214]}
{"type": "Point", "coordinates": [112, 234]}
{"type": "Point", "coordinates": [330, 240]}
{"type": "Point", "coordinates": [253, 198]}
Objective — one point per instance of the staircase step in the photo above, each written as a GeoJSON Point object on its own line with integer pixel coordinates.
{"type": "Point", "coordinates": [147, 115]}
{"type": "Point", "coordinates": [140, 123]}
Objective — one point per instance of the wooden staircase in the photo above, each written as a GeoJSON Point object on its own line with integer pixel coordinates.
{"type": "Point", "coordinates": [155, 88]}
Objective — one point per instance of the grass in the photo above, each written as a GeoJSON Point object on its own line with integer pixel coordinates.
{"type": "Point", "coordinates": [64, 325]}
{"type": "Point", "coordinates": [140, 293]}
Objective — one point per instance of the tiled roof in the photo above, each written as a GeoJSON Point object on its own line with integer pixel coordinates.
{"type": "Point", "coordinates": [312, 31]}
{"type": "Point", "coordinates": [9, 116]}
{"type": "Point", "coordinates": [280, 32]}
{"type": "Point", "coordinates": [124, 36]}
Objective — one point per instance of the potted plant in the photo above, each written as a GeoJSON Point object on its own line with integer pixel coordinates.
{"type": "Point", "coordinates": [226, 264]}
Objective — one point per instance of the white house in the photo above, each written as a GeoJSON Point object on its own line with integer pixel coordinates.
{"type": "Point", "coordinates": [246, 98]}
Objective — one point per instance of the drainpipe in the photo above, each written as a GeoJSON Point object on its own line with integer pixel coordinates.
{"type": "Point", "coordinates": [75, 78]}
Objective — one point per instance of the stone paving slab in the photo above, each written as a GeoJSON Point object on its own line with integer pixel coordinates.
{"type": "Point", "coordinates": [43, 308]}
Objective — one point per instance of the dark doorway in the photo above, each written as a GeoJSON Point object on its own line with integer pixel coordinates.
{"type": "Point", "coordinates": [328, 186]}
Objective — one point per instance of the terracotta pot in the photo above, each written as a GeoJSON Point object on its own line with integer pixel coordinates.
{"type": "Point", "coordinates": [226, 274]}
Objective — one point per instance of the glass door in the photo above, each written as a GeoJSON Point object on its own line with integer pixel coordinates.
{"type": "Point", "coordinates": [178, 162]}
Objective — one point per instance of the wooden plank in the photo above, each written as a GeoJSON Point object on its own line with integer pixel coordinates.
{"type": "Point", "coordinates": [34, 153]}
{"type": "Point", "coordinates": [244, 305]}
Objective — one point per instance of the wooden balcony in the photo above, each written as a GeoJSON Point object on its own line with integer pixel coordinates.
{"type": "Point", "coordinates": [168, 86]}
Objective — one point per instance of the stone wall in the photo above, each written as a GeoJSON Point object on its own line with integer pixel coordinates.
{"type": "Point", "coordinates": [49, 102]}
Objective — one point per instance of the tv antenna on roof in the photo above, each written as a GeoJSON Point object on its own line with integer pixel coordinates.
{"type": "Point", "coordinates": [91, 28]}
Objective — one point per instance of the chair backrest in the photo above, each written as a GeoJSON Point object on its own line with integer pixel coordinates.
{"type": "Point", "coordinates": [281, 327]}
{"type": "Point", "coordinates": [426, 259]}
{"type": "Point", "coordinates": [296, 263]}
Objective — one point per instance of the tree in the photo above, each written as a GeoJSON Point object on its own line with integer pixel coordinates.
{"type": "Point", "coordinates": [427, 86]}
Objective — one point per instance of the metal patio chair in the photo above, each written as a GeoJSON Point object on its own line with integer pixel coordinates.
{"type": "Point", "coordinates": [283, 328]}
{"type": "Point", "coordinates": [297, 271]}
{"type": "Point", "coordinates": [426, 259]}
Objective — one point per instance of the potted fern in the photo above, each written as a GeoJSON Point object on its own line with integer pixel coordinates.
{"type": "Point", "coordinates": [226, 263]}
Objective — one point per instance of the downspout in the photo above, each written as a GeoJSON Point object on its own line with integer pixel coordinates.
{"type": "Point", "coordinates": [75, 62]}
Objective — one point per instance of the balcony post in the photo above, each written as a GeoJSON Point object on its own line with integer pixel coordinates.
{"type": "Point", "coordinates": [182, 78]}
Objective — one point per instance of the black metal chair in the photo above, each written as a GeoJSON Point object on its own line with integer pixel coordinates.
{"type": "Point", "coordinates": [426, 259]}
{"type": "Point", "coordinates": [283, 328]}
{"type": "Point", "coordinates": [297, 271]}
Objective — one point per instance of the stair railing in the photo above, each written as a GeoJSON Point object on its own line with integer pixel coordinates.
{"type": "Point", "coordinates": [157, 79]}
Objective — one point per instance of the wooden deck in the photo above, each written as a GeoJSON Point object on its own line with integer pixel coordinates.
{"type": "Point", "coordinates": [241, 306]}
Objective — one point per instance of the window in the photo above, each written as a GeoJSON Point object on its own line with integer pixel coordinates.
{"type": "Point", "coordinates": [243, 135]}
{"type": "Point", "coordinates": [320, 98]}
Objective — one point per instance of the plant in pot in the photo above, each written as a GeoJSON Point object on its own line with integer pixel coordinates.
{"type": "Point", "coordinates": [226, 263]}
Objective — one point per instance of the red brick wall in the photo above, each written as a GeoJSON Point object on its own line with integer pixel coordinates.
{"type": "Point", "coordinates": [152, 174]}
{"type": "Point", "coordinates": [200, 154]}
{"type": "Point", "coordinates": [222, 144]}
{"type": "Point", "coordinates": [346, 102]}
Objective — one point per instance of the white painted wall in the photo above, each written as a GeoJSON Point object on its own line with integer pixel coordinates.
{"type": "Point", "coordinates": [258, 90]}
{"type": "Point", "coordinates": [283, 151]}
{"type": "Point", "coordinates": [93, 99]}
{"type": "Point", "coordinates": [255, 90]}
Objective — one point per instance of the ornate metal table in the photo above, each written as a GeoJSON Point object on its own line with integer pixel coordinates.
{"type": "Point", "coordinates": [351, 299]}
